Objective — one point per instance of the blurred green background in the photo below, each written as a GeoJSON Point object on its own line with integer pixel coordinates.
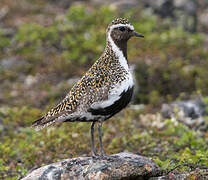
{"type": "Point", "coordinates": [45, 46]}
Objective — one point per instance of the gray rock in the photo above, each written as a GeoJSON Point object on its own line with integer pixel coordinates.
{"type": "Point", "coordinates": [118, 166]}
{"type": "Point", "coordinates": [9, 62]}
{"type": "Point", "coordinates": [3, 12]}
{"type": "Point", "coordinates": [189, 112]}
{"type": "Point", "coordinates": [203, 18]}
{"type": "Point", "coordinates": [30, 80]}
{"type": "Point", "coordinates": [164, 8]}
{"type": "Point", "coordinates": [191, 108]}
{"type": "Point", "coordinates": [13, 63]}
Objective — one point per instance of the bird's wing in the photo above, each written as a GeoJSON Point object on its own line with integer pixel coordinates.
{"type": "Point", "coordinates": [52, 116]}
{"type": "Point", "coordinates": [90, 89]}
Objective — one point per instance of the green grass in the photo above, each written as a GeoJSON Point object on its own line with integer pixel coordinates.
{"type": "Point", "coordinates": [170, 64]}
{"type": "Point", "coordinates": [22, 148]}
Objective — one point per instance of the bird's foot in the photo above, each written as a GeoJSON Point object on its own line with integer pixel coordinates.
{"type": "Point", "coordinates": [99, 156]}
{"type": "Point", "coordinates": [102, 156]}
{"type": "Point", "coordinates": [105, 156]}
{"type": "Point", "coordinates": [95, 155]}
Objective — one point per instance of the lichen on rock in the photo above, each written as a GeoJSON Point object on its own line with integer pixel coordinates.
{"type": "Point", "coordinates": [117, 166]}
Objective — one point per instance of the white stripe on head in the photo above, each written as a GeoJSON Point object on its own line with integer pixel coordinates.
{"type": "Point", "coordinates": [118, 52]}
{"type": "Point", "coordinates": [122, 25]}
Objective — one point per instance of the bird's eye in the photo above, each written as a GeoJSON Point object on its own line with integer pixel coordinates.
{"type": "Point", "coordinates": [122, 28]}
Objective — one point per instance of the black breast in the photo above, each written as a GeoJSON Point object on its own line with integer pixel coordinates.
{"type": "Point", "coordinates": [118, 105]}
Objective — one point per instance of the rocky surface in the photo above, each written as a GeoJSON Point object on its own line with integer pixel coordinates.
{"type": "Point", "coordinates": [191, 108]}
{"type": "Point", "coordinates": [118, 166]}
{"type": "Point", "coordinates": [189, 112]}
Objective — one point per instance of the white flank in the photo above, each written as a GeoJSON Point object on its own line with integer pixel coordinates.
{"type": "Point", "coordinates": [115, 93]}
{"type": "Point", "coordinates": [80, 114]}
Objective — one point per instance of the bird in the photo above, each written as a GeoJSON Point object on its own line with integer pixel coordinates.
{"type": "Point", "coordinates": [103, 91]}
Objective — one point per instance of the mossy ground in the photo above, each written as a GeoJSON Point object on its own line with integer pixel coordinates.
{"type": "Point", "coordinates": [170, 64]}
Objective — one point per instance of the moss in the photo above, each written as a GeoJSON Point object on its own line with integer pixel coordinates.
{"type": "Point", "coordinates": [170, 64]}
{"type": "Point", "coordinates": [23, 148]}
{"type": "Point", "coordinates": [169, 60]}
{"type": "Point", "coordinates": [4, 42]}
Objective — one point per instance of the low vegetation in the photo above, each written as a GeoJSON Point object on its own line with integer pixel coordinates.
{"type": "Point", "coordinates": [38, 64]}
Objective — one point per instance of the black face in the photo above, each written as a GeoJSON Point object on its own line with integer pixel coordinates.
{"type": "Point", "coordinates": [122, 33]}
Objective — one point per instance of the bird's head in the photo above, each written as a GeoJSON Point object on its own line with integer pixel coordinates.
{"type": "Point", "coordinates": [120, 30]}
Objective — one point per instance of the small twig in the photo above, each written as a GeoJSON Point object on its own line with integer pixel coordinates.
{"type": "Point", "coordinates": [183, 164]}
{"type": "Point", "coordinates": [188, 165]}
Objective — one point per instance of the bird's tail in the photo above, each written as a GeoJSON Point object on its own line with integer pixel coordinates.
{"type": "Point", "coordinates": [42, 123]}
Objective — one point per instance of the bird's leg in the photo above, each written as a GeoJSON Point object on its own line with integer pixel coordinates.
{"type": "Point", "coordinates": [100, 139]}
{"type": "Point", "coordinates": [92, 140]}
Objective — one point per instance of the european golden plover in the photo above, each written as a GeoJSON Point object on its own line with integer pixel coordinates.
{"type": "Point", "coordinates": [103, 91]}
